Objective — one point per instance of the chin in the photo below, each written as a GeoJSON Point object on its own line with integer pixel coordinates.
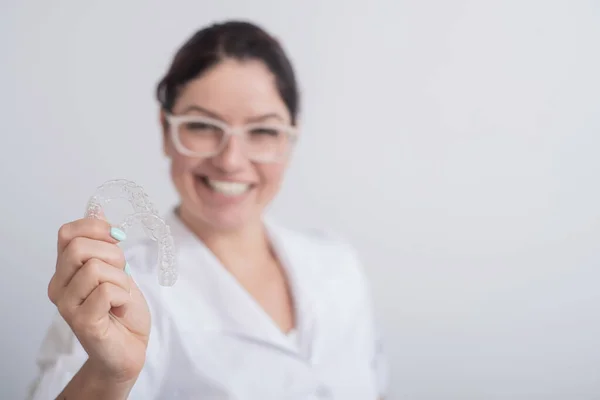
{"type": "Point", "coordinates": [219, 219]}
{"type": "Point", "coordinates": [227, 221]}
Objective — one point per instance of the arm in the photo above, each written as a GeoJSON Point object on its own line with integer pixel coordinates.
{"type": "Point", "coordinates": [58, 360]}
{"type": "Point", "coordinates": [380, 366]}
{"type": "Point", "coordinates": [89, 384]}
{"type": "Point", "coordinates": [89, 283]}
{"type": "Point", "coordinates": [63, 369]}
{"type": "Point", "coordinates": [379, 361]}
{"type": "Point", "coordinates": [367, 319]}
{"type": "Point", "coordinates": [65, 372]}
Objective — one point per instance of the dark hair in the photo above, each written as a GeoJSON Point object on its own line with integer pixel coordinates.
{"type": "Point", "coordinates": [232, 39]}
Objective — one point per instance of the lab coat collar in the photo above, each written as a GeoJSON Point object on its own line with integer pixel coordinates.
{"type": "Point", "coordinates": [225, 307]}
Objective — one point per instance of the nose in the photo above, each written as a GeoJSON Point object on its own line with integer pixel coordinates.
{"type": "Point", "coordinates": [232, 157]}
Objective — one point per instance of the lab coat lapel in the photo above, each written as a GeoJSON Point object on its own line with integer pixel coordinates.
{"type": "Point", "coordinates": [302, 268]}
{"type": "Point", "coordinates": [223, 304]}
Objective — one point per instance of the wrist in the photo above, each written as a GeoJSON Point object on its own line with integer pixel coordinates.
{"type": "Point", "coordinates": [93, 383]}
{"type": "Point", "coordinates": [98, 373]}
{"type": "Point", "coordinates": [103, 385]}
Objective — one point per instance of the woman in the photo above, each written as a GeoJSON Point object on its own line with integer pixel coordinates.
{"type": "Point", "coordinates": [259, 311]}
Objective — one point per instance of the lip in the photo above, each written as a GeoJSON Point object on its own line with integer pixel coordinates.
{"type": "Point", "coordinates": [219, 199]}
{"type": "Point", "coordinates": [224, 179]}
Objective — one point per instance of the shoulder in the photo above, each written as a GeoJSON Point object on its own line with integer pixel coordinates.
{"type": "Point", "coordinates": [321, 241]}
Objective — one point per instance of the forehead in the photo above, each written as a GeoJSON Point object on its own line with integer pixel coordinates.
{"type": "Point", "coordinates": [235, 90]}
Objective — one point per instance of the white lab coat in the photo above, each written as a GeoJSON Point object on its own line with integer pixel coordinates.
{"type": "Point", "coordinates": [211, 340]}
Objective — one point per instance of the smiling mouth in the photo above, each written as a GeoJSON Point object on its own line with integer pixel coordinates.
{"type": "Point", "coordinates": [226, 188]}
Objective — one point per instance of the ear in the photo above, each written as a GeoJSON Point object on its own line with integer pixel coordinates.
{"type": "Point", "coordinates": [164, 124]}
{"type": "Point", "coordinates": [298, 124]}
{"type": "Point", "coordinates": [298, 128]}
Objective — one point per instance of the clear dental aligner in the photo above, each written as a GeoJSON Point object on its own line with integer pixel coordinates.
{"type": "Point", "coordinates": [145, 213]}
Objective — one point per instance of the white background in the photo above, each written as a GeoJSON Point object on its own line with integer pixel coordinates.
{"type": "Point", "coordinates": [454, 142]}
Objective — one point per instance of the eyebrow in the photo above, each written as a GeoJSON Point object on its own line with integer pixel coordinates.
{"type": "Point", "coordinates": [212, 114]}
{"type": "Point", "coordinates": [263, 117]}
{"type": "Point", "coordinates": [201, 110]}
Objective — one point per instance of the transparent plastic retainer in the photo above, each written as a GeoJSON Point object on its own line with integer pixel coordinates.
{"type": "Point", "coordinates": [144, 213]}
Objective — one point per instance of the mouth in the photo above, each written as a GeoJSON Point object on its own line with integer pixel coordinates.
{"type": "Point", "coordinates": [226, 188]}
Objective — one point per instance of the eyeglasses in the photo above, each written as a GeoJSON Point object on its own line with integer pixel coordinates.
{"type": "Point", "coordinates": [200, 136]}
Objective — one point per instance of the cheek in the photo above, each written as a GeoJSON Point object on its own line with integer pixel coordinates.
{"type": "Point", "coordinates": [271, 176]}
{"type": "Point", "coordinates": [181, 169]}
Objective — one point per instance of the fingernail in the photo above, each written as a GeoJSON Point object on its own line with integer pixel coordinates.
{"type": "Point", "coordinates": [118, 234]}
{"type": "Point", "coordinates": [127, 269]}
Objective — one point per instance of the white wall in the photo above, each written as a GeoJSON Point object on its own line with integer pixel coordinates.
{"type": "Point", "coordinates": [454, 142]}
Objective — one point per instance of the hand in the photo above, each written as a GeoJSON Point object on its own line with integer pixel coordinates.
{"type": "Point", "coordinates": [101, 303]}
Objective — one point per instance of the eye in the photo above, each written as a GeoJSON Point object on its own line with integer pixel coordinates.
{"type": "Point", "coordinates": [199, 126]}
{"type": "Point", "coordinates": [265, 131]}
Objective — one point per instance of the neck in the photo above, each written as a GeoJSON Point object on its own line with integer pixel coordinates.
{"type": "Point", "coordinates": [236, 249]}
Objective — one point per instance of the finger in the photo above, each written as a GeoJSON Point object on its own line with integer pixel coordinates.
{"type": "Point", "coordinates": [79, 251]}
{"type": "Point", "coordinates": [102, 299]}
{"type": "Point", "coordinates": [91, 228]}
{"type": "Point", "coordinates": [91, 275]}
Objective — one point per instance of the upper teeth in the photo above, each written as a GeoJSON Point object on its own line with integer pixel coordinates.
{"type": "Point", "coordinates": [228, 188]}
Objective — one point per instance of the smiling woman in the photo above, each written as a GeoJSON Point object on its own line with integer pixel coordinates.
{"type": "Point", "coordinates": [240, 170]}
{"type": "Point", "coordinates": [260, 311]}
